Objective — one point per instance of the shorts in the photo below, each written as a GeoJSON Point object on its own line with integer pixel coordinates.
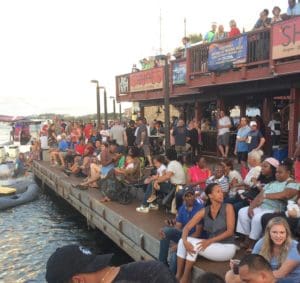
{"type": "Point", "coordinates": [242, 156]}
{"type": "Point", "coordinates": [223, 139]}
{"type": "Point", "coordinates": [180, 148]}
{"type": "Point", "coordinates": [146, 149]}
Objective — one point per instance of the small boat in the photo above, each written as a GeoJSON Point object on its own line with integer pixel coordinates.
{"type": "Point", "coordinates": [30, 194]}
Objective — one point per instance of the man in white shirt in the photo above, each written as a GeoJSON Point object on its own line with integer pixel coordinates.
{"type": "Point", "coordinates": [117, 133]}
{"type": "Point", "coordinates": [224, 124]}
{"type": "Point", "coordinates": [275, 126]}
{"type": "Point", "coordinates": [174, 176]}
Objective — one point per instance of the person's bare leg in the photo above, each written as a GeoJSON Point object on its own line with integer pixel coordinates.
{"type": "Point", "coordinates": [180, 267]}
{"type": "Point", "coordinates": [149, 160]}
{"type": "Point", "coordinates": [226, 150]}
{"type": "Point", "coordinates": [186, 277]}
{"type": "Point", "coordinates": [62, 160]}
{"type": "Point", "coordinates": [221, 148]}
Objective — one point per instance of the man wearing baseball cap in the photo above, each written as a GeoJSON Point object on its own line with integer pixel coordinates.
{"type": "Point", "coordinates": [75, 264]}
{"type": "Point", "coordinates": [255, 139]}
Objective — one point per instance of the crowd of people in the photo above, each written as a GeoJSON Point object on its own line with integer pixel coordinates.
{"type": "Point", "coordinates": [256, 200]}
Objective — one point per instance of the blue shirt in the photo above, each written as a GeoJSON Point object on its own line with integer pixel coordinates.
{"type": "Point", "coordinates": [294, 11]}
{"type": "Point", "coordinates": [293, 255]}
{"type": "Point", "coordinates": [254, 139]}
{"type": "Point", "coordinates": [63, 145]}
{"type": "Point", "coordinates": [184, 216]}
{"type": "Point", "coordinates": [243, 132]}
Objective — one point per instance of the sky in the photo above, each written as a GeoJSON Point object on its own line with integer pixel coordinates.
{"type": "Point", "coordinates": [50, 50]}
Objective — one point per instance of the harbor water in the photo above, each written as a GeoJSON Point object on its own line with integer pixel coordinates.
{"type": "Point", "coordinates": [30, 233]}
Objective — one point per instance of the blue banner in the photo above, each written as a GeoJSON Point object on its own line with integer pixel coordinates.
{"type": "Point", "coordinates": [179, 73]}
{"type": "Point", "coordinates": [225, 55]}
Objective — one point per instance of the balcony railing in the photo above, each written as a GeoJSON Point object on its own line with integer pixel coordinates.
{"type": "Point", "coordinates": [258, 51]}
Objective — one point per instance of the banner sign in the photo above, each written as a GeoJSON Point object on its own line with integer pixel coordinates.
{"type": "Point", "coordinates": [147, 80]}
{"type": "Point", "coordinates": [286, 38]}
{"type": "Point", "coordinates": [223, 56]}
{"type": "Point", "coordinates": [179, 73]}
{"type": "Point", "coordinates": [123, 85]}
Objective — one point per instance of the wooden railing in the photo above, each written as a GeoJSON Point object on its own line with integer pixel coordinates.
{"type": "Point", "coordinates": [258, 46]}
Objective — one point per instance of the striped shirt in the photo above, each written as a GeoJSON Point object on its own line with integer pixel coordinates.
{"type": "Point", "coordinates": [223, 182]}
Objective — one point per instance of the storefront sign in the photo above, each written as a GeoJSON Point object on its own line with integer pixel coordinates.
{"type": "Point", "coordinates": [223, 56]}
{"type": "Point", "coordinates": [147, 80]}
{"type": "Point", "coordinates": [123, 85]}
{"type": "Point", "coordinates": [286, 38]}
{"type": "Point", "coordinates": [179, 73]}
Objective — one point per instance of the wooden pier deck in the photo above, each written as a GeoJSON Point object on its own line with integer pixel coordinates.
{"type": "Point", "coordinates": [136, 233]}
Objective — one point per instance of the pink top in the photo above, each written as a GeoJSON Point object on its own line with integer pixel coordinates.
{"type": "Point", "coordinates": [297, 171]}
{"type": "Point", "coordinates": [196, 174]}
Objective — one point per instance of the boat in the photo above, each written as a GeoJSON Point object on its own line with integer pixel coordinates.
{"type": "Point", "coordinates": [31, 193]}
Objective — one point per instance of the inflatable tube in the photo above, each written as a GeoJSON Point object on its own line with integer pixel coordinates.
{"type": "Point", "coordinates": [18, 182]}
{"type": "Point", "coordinates": [30, 194]}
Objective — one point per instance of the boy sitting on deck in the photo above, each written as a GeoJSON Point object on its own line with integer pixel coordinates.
{"type": "Point", "coordinates": [158, 162]}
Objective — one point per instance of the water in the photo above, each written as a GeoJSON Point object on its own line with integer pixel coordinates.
{"type": "Point", "coordinates": [4, 133]}
{"type": "Point", "coordinates": [30, 233]}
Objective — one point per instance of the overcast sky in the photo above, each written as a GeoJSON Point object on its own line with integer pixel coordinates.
{"type": "Point", "coordinates": [50, 50]}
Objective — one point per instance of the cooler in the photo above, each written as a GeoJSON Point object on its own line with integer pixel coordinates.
{"type": "Point", "coordinates": [280, 153]}
{"type": "Point", "coordinates": [13, 151]}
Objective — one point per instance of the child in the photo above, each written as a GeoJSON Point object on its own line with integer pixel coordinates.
{"type": "Point", "coordinates": [161, 168]}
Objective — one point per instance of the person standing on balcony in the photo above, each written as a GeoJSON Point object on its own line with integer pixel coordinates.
{"type": "Point", "coordinates": [276, 15]}
{"type": "Point", "coordinates": [220, 34]}
{"type": "Point", "coordinates": [224, 124]}
{"type": "Point", "coordinates": [209, 37]}
{"type": "Point", "coordinates": [234, 30]}
{"type": "Point", "coordinates": [187, 44]}
{"type": "Point", "coordinates": [264, 21]}
{"type": "Point", "coordinates": [294, 8]}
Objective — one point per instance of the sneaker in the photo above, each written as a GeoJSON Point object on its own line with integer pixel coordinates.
{"type": "Point", "coordinates": [142, 209]}
{"type": "Point", "coordinates": [152, 198]}
{"type": "Point", "coordinates": [153, 206]}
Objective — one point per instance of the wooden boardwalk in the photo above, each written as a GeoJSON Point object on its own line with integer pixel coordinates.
{"type": "Point", "coordinates": [136, 233]}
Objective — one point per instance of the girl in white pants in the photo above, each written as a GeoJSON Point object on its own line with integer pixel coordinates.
{"type": "Point", "coordinates": [218, 221]}
{"type": "Point", "coordinates": [251, 226]}
{"type": "Point", "coordinates": [214, 252]}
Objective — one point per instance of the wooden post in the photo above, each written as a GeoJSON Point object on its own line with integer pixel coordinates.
{"type": "Point", "coordinates": [294, 119]}
{"type": "Point", "coordinates": [198, 111]}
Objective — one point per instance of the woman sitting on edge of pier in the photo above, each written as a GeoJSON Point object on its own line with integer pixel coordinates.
{"type": "Point", "coordinates": [219, 222]}
{"type": "Point", "coordinates": [107, 164]}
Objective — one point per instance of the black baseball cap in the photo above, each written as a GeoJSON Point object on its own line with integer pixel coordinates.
{"type": "Point", "coordinates": [70, 260]}
{"type": "Point", "coordinates": [188, 190]}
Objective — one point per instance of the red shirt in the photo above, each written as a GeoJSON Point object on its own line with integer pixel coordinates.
{"type": "Point", "coordinates": [234, 32]}
{"type": "Point", "coordinates": [88, 131]}
{"type": "Point", "coordinates": [79, 148]}
{"type": "Point", "coordinates": [198, 174]}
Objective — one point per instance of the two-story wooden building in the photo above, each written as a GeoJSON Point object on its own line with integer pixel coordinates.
{"type": "Point", "coordinates": [259, 71]}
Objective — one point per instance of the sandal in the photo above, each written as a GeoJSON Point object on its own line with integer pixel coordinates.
{"type": "Point", "coordinates": [105, 199]}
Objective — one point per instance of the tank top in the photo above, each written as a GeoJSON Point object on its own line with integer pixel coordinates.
{"type": "Point", "coordinates": [217, 226]}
